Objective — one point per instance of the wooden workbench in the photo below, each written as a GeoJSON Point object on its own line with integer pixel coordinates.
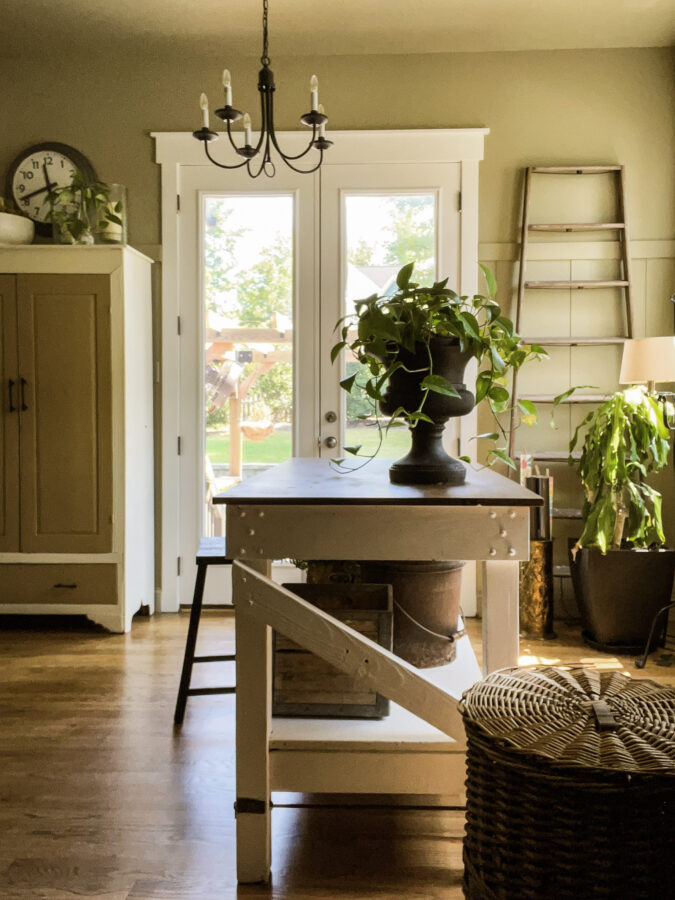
{"type": "Point", "coordinates": [304, 509]}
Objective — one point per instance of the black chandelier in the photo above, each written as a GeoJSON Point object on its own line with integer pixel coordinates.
{"type": "Point", "coordinates": [261, 153]}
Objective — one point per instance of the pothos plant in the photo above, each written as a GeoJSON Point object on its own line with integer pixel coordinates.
{"type": "Point", "coordinates": [381, 327]}
{"type": "Point", "coordinates": [627, 439]}
{"type": "Point", "coordinates": [81, 207]}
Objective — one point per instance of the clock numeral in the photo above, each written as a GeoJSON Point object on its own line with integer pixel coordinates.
{"type": "Point", "coordinates": [25, 201]}
{"type": "Point", "coordinates": [48, 160]}
{"type": "Point", "coordinates": [36, 164]}
{"type": "Point", "coordinates": [21, 188]}
{"type": "Point", "coordinates": [27, 174]}
{"type": "Point", "coordinates": [37, 210]}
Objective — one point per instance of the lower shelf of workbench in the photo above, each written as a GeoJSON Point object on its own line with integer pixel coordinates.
{"type": "Point", "coordinates": [400, 754]}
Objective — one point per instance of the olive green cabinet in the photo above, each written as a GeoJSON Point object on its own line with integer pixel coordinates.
{"type": "Point", "coordinates": [76, 433]}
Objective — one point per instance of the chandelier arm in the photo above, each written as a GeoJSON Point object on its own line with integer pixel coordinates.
{"type": "Point", "coordinates": [261, 167]}
{"type": "Point", "coordinates": [265, 160]}
{"type": "Point", "coordinates": [281, 153]}
{"type": "Point", "coordinates": [263, 122]}
{"type": "Point", "coordinates": [251, 172]}
{"type": "Point", "coordinates": [304, 171]}
{"type": "Point", "coordinates": [229, 134]}
{"type": "Point", "coordinates": [222, 165]}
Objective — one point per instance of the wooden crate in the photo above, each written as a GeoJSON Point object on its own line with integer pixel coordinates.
{"type": "Point", "coordinates": [305, 685]}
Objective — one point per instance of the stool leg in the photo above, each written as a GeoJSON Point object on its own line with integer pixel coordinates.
{"type": "Point", "coordinates": [190, 644]}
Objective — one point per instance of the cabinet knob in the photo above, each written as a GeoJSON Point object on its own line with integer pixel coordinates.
{"type": "Point", "coordinates": [330, 442]}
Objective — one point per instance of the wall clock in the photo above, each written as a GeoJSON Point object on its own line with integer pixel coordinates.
{"type": "Point", "coordinates": [37, 170]}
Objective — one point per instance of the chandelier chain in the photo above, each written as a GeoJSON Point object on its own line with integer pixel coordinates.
{"type": "Point", "coordinates": [265, 58]}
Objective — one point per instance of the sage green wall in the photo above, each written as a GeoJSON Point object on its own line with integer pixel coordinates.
{"type": "Point", "coordinates": [564, 106]}
{"type": "Point", "coordinates": [541, 107]}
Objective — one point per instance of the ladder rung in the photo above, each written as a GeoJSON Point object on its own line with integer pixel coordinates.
{"type": "Point", "coordinates": [575, 398]}
{"type": "Point", "coordinates": [565, 513]}
{"type": "Point", "coordinates": [203, 692]}
{"type": "Point", "coordinates": [576, 285]}
{"type": "Point", "coordinates": [572, 341]}
{"type": "Point", "coordinates": [204, 659]}
{"type": "Point", "coordinates": [599, 226]}
{"type": "Point", "coordinates": [574, 170]}
{"type": "Point", "coordinates": [554, 455]}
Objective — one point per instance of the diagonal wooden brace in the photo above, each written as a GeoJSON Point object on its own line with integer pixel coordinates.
{"type": "Point", "coordinates": [348, 651]}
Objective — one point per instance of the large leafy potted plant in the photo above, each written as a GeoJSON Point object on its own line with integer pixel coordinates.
{"type": "Point", "coordinates": [621, 571]}
{"type": "Point", "coordinates": [414, 347]}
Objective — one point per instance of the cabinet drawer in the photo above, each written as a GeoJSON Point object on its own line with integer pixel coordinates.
{"type": "Point", "coordinates": [58, 583]}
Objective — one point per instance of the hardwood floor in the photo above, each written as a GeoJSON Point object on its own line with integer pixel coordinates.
{"type": "Point", "coordinates": [101, 798]}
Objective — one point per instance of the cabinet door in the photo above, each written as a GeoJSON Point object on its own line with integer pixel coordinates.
{"type": "Point", "coordinates": [9, 418]}
{"type": "Point", "coordinates": [65, 421]}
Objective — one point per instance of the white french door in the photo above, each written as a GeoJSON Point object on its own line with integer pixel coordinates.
{"type": "Point", "coordinates": [236, 235]}
{"type": "Point", "coordinates": [375, 219]}
{"type": "Point", "coordinates": [349, 227]}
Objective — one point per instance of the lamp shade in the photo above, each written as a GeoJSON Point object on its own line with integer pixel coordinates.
{"type": "Point", "coordinates": [648, 360]}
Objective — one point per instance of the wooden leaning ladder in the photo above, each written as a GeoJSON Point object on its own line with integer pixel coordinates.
{"type": "Point", "coordinates": [620, 226]}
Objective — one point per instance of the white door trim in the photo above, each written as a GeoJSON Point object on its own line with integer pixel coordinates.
{"type": "Point", "coordinates": [174, 150]}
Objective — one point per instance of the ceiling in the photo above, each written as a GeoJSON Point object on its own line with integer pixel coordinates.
{"type": "Point", "coordinates": [321, 27]}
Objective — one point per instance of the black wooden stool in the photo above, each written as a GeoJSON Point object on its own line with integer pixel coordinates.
{"type": "Point", "coordinates": [211, 553]}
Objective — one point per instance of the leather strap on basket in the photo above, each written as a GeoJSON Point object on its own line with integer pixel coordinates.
{"type": "Point", "coordinates": [604, 717]}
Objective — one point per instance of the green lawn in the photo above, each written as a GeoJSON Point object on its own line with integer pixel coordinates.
{"type": "Point", "coordinates": [277, 447]}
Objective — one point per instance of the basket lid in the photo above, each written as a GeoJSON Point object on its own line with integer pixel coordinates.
{"type": "Point", "coordinates": [577, 717]}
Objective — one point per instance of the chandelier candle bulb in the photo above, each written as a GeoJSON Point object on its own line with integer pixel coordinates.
{"type": "Point", "coordinates": [314, 89]}
{"type": "Point", "coordinates": [322, 126]}
{"type": "Point", "coordinates": [204, 104]}
{"type": "Point", "coordinates": [227, 84]}
{"type": "Point", "coordinates": [247, 129]}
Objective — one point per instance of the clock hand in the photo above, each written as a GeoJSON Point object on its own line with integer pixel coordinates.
{"type": "Point", "coordinates": [50, 185]}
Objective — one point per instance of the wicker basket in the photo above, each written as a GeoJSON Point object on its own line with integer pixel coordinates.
{"type": "Point", "coordinates": [570, 786]}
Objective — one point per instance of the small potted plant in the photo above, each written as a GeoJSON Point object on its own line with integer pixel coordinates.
{"type": "Point", "coordinates": [414, 347]}
{"type": "Point", "coordinates": [621, 571]}
{"type": "Point", "coordinates": [88, 212]}
{"type": "Point", "coordinates": [15, 226]}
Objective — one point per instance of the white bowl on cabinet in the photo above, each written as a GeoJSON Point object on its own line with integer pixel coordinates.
{"type": "Point", "coordinates": [16, 229]}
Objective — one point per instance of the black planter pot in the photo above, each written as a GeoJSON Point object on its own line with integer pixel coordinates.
{"type": "Point", "coordinates": [427, 462]}
{"type": "Point", "coordinates": [620, 593]}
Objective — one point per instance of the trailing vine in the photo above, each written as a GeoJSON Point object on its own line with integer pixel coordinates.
{"type": "Point", "coordinates": [383, 329]}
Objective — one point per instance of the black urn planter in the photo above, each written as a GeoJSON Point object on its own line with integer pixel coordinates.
{"type": "Point", "coordinates": [620, 593]}
{"type": "Point", "coordinates": [427, 462]}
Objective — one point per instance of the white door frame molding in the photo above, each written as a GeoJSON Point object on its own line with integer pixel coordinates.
{"type": "Point", "coordinates": [176, 150]}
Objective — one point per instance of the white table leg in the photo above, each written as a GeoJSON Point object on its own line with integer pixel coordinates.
{"type": "Point", "coordinates": [254, 679]}
{"type": "Point", "coordinates": [500, 615]}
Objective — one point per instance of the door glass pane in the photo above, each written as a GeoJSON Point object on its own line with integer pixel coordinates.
{"type": "Point", "coordinates": [248, 319]}
{"type": "Point", "coordinates": [383, 232]}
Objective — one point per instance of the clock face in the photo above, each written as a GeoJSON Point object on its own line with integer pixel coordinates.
{"type": "Point", "coordinates": [39, 173]}
{"type": "Point", "coordinates": [40, 169]}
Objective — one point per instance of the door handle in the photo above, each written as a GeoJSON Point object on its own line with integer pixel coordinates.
{"type": "Point", "coordinates": [12, 406]}
{"type": "Point", "coordinates": [24, 405]}
{"type": "Point", "coordinates": [330, 442]}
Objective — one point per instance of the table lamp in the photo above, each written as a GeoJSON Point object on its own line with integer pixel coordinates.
{"type": "Point", "coordinates": [648, 360]}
